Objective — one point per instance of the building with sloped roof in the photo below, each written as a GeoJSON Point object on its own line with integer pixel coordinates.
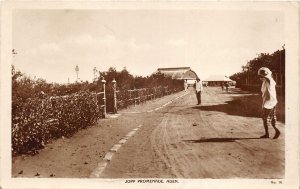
{"type": "Point", "coordinates": [217, 80]}
{"type": "Point", "coordinates": [181, 73]}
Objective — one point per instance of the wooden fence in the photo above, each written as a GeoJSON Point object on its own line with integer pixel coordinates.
{"type": "Point", "coordinates": [138, 96]}
{"type": "Point", "coordinates": [125, 98]}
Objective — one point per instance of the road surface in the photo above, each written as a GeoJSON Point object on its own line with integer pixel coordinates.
{"type": "Point", "coordinates": [173, 138]}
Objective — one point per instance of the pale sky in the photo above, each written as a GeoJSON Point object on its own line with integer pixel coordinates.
{"type": "Point", "coordinates": [50, 43]}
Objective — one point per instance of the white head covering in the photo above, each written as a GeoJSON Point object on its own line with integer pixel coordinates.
{"type": "Point", "coordinates": [265, 72]}
{"type": "Point", "coordinates": [268, 88]}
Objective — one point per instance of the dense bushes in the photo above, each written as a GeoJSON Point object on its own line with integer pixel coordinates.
{"type": "Point", "coordinates": [38, 120]}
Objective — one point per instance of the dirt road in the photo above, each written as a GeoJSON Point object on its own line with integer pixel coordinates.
{"type": "Point", "coordinates": [176, 139]}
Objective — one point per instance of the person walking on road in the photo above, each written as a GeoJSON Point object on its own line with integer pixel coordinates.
{"type": "Point", "coordinates": [185, 85]}
{"type": "Point", "coordinates": [198, 88]}
{"type": "Point", "coordinates": [226, 86]}
{"type": "Point", "coordinates": [269, 101]}
{"type": "Point", "coordinates": [222, 86]}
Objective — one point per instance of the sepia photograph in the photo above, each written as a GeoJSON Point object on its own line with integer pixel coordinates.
{"type": "Point", "coordinates": [150, 95]}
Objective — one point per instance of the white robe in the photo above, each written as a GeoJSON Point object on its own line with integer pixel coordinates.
{"type": "Point", "coordinates": [268, 89]}
{"type": "Point", "coordinates": [199, 86]}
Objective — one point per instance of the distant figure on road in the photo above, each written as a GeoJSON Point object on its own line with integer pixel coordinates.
{"type": "Point", "coordinates": [185, 85]}
{"type": "Point", "coordinates": [226, 85]}
{"type": "Point", "coordinates": [198, 88]}
{"type": "Point", "coordinates": [222, 86]}
{"type": "Point", "coordinates": [269, 101]}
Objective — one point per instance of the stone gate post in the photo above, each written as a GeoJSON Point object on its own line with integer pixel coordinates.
{"type": "Point", "coordinates": [115, 95]}
{"type": "Point", "coordinates": [104, 97]}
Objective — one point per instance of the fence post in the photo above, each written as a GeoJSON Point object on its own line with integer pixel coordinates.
{"type": "Point", "coordinates": [134, 96]}
{"type": "Point", "coordinates": [115, 95]}
{"type": "Point", "coordinates": [104, 97]}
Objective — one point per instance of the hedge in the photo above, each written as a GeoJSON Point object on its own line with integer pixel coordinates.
{"type": "Point", "coordinates": [36, 121]}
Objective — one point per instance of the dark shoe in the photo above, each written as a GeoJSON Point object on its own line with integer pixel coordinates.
{"type": "Point", "coordinates": [264, 136]}
{"type": "Point", "coordinates": [276, 134]}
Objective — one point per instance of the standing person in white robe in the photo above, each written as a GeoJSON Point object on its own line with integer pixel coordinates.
{"type": "Point", "coordinates": [185, 85]}
{"type": "Point", "coordinates": [269, 98]}
{"type": "Point", "coordinates": [199, 88]}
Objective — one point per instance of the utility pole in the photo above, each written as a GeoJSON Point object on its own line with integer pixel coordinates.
{"type": "Point", "coordinates": [95, 72]}
{"type": "Point", "coordinates": [247, 69]}
{"type": "Point", "coordinates": [14, 54]}
{"type": "Point", "coordinates": [77, 71]}
{"type": "Point", "coordinates": [281, 74]}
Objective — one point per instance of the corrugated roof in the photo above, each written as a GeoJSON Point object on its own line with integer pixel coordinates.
{"type": "Point", "coordinates": [174, 69]}
{"type": "Point", "coordinates": [178, 73]}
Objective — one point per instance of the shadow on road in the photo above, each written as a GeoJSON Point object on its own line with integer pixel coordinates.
{"type": "Point", "coordinates": [217, 140]}
{"type": "Point", "coordinates": [245, 106]}
{"type": "Point", "coordinates": [236, 91]}
{"type": "Point", "coordinates": [237, 106]}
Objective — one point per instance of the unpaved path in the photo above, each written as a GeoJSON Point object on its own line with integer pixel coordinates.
{"type": "Point", "coordinates": [218, 139]}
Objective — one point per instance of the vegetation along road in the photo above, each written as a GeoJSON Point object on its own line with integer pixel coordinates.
{"type": "Point", "coordinates": [170, 137]}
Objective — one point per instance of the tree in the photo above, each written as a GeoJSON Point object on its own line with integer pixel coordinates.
{"type": "Point", "coordinates": [275, 62]}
